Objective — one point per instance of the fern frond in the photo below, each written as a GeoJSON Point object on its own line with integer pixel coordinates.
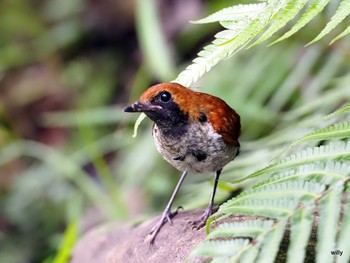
{"type": "Point", "coordinates": [271, 243]}
{"type": "Point", "coordinates": [329, 211]}
{"type": "Point", "coordinates": [280, 199]}
{"type": "Point", "coordinates": [343, 241]}
{"type": "Point", "coordinates": [265, 235]}
{"type": "Point", "coordinates": [341, 35]}
{"type": "Point", "coordinates": [249, 228]}
{"type": "Point", "coordinates": [291, 9]}
{"type": "Point", "coordinates": [338, 112]}
{"type": "Point", "coordinates": [323, 173]}
{"type": "Point", "coordinates": [222, 248]}
{"type": "Point", "coordinates": [290, 189]}
{"type": "Point", "coordinates": [265, 207]}
{"type": "Point", "coordinates": [233, 13]}
{"type": "Point", "coordinates": [313, 10]}
{"type": "Point", "coordinates": [332, 150]}
{"type": "Point", "coordinates": [335, 131]}
{"type": "Point", "coordinates": [342, 12]}
{"type": "Point", "coordinates": [249, 255]}
{"type": "Point", "coordinates": [244, 22]}
{"type": "Point", "coordinates": [226, 44]}
{"type": "Point", "coordinates": [301, 226]}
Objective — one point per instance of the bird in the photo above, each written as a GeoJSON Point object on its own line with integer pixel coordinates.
{"type": "Point", "coordinates": [195, 132]}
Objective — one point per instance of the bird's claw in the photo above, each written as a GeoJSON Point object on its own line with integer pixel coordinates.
{"type": "Point", "coordinates": [198, 224]}
{"type": "Point", "coordinates": [167, 216]}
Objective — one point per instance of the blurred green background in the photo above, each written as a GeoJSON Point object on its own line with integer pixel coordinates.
{"type": "Point", "coordinates": [67, 69]}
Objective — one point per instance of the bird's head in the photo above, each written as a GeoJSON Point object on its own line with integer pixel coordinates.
{"type": "Point", "coordinates": [166, 104]}
{"type": "Point", "coordinates": [171, 105]}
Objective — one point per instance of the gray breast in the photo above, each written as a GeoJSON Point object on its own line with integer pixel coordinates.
{"type": "Point", "coordinates": [201, 149]}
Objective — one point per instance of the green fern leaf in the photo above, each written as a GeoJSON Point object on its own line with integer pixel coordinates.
{"type": "Point", "coordinates": [329, 211]}
{"type": "Point", "coordinates": [338, 112]}
{"type": "Point", "coordinates": [291, 9]}
{"type": "Point", "coordinates": [222, 248]}
{"type": "Point", "coordinates": [336, 131]}
{"type": "Point", "coordinates": [332, 150]}
{"type": "Point", "coordinates": [341, 35]}
{"type": "Point", "coordinates": [250, 228]}
{"type": "Point", "coordinates": [313, 10]}
{"type": "Point", "coordinates": [267, 234]}
{"type": "Point", "coordinates": [271, 243]}
{"type": "Point", "coordinates": [319, 172]}
{"type": "Point", "coordinates": [342, 12]}
{"type": "Point", "coordinates": [343, 241]}
{"type": "Point", "coordinates": [227, 44]}
{"type": "Point", "coordinates": [301, 226]}
{"type": "Point", "coordinates": [266, 207]}
{"type": "Point", "coordinates": [250, 254]}
{"type": "Point", "coordinates": [291, 189]}
{"type": "Point", "coordinates": [233, 13]}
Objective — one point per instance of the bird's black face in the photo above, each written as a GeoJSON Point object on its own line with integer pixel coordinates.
{"type": "Point", "coordinates": [162, 109]}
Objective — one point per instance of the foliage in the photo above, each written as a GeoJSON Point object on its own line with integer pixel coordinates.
{"type": "Point", "coordinates": [243, 23]}
{"type": "Point", "coordinates": [290, 189]}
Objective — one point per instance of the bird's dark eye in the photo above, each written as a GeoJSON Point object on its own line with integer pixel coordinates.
{"type": "Point", "coordinates": [165, 96]}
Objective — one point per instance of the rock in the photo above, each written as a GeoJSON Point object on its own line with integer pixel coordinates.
{"type": "Point", "coordinates": [114, 243]}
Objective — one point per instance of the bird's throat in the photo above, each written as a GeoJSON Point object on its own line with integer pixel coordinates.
{"type": "Point", "coordinates": [171, 130]}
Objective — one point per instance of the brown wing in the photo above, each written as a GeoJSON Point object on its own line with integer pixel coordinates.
{"type": "Point", "coordinates": [223, 118]}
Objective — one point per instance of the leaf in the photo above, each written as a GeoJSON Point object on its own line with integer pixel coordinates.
{"type": "Point", "coordinates": [226, 44]}
{"type": "Point", "coordinates": [342, 12]}
{"type": "Point", "coordinates": [329, 211]}
{"type": "Point", "coordinates": [291, 189]}
{"type": "Point", "coordinates": [319, 172]}
{"type": "Point", "coordinates": [249, 228]}
{"type": "Point", "coordinates": [343, 241]}
{"type": "Point", "coordinates": [291, 9]}
{"type": "Point", "coordinates": [220, 248]}
{"type": "Point", "coordinates": [331, 151]}
{"type": "Point", "coordinates": [341, 35]}
{"type": "Point", "coordinates": [271, 242]}
{"type": "Point", "coordinates": [251, 254]}
{"type": "Point", "coordinates": [69, 239]}
{"type": "Point", "coordinates": [141, 117]}
{"type": "Point", "coordinates": [233, 13]}
{"type": "Point", "coordinates": [338, 112]}
{"type": "Point", "coordinates": [266, 207]}
{"type": "Point", "coordinates": [336, 131]}
{"type": "Point", "coordinates": [301, 226]}
{"type": "Point", "coordinates": [313, 10]}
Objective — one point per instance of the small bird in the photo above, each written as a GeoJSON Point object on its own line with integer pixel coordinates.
{"type": "Point", "coordinates": [195, 132]}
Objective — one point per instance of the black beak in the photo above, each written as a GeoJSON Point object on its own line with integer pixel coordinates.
{"type": "Point", "coordinates": [141, 107]}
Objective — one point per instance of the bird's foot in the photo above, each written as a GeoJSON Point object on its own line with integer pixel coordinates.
{"type": "Point", "coordinates": [166, 216]}
{"type": "Point", "coordinates": [198, 224]}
